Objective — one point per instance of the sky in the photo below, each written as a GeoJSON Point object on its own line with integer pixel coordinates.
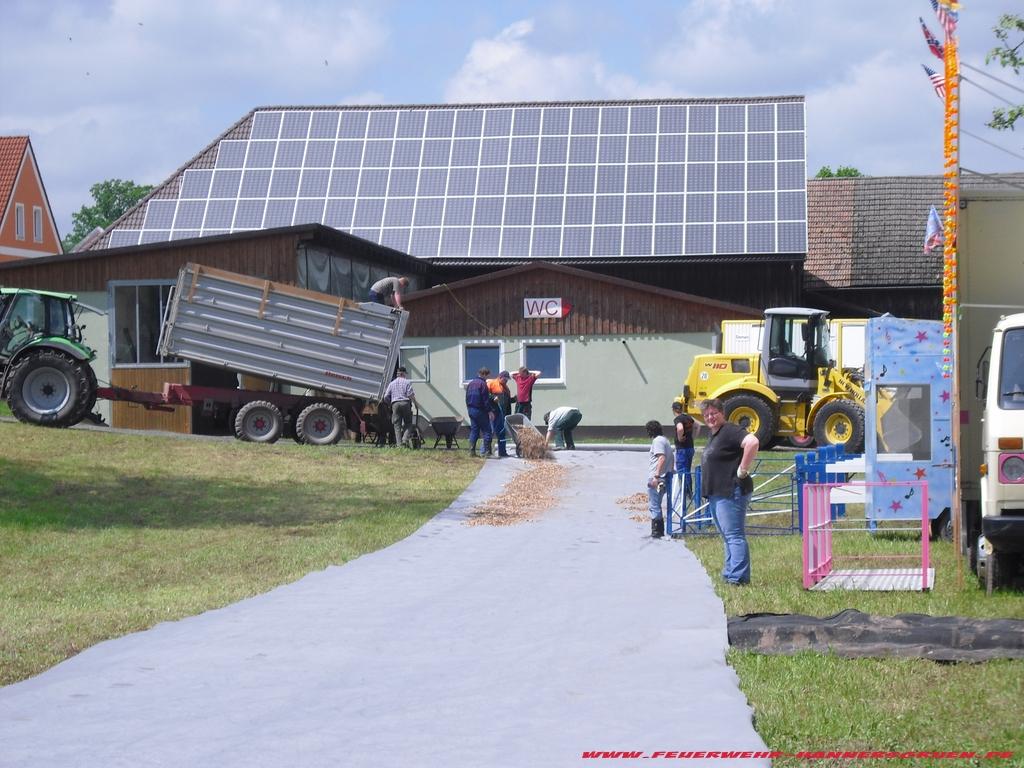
{"type": "Point", "coordinates": [133, 89]}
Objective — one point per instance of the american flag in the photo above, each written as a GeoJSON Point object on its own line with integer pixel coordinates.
{"type": "Point", "coordinates": [948, 13]}
{"type": "Point", "coordinates": [933, 44]}
{"type": "Point", "coordinates": [938, 82]}
{"type": "Point", "coordinates": [933, 232]}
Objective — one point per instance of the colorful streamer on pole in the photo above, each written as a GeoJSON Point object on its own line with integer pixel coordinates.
{"type": "Point", "coordinates": [947, 12]}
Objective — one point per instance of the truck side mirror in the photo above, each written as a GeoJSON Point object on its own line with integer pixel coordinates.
{"type": "Point", "coordinates": [981, 380]}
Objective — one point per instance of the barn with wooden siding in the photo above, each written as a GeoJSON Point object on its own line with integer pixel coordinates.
{"type": "Point", "coordinates": [131, 286]}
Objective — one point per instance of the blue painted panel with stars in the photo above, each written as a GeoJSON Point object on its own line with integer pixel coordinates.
{"type": "Point", "coordinates": [908, 418]}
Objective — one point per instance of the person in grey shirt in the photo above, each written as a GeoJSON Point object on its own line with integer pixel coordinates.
{"type": "Point", "coordinates": [389, 291]}
{"type": "Point", "coordinates": [659, 477]}
{"type": "Point", "coordinates": [402, 398]}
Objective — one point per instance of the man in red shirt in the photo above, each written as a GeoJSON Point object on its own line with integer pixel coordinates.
{"type": "Point", "coordinates": [524, 390]}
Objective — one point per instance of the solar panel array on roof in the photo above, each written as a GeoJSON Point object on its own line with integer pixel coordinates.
{"type": "Point", "coordinates": [517, 181]}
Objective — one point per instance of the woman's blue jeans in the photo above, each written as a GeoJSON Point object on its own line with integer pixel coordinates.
{"type": "Point", "coordinates": [730, 513]}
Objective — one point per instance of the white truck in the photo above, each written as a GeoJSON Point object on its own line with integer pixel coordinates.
{"type": "Point", "coordinates": [1001, 543]}
{"type": "Point", "coordinates": [991, 293]}
{"type": "Point", "coordinates": [321, 354]}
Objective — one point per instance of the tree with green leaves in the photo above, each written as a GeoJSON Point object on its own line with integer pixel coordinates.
{"type": "Point", "coordinates": [111, 198]}
{"type": "Point", "coordinates": [1011, 57]}
{"type": "Point", "coordinates": [843, 171]}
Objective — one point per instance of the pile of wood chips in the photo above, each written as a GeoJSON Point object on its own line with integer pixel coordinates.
{"type": "Point", "coordinates": [532, 445]}
{"type": "Point", "coordinates": [638, 504]}
{"type": "Point", "coordinates": [523, 498]}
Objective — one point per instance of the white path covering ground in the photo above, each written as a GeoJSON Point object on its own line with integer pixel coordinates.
{"type": "Point", "coordinates": [462, 645]}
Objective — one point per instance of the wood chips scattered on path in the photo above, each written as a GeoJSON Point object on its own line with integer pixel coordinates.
{"type": "Point", "coordinates": [524, 497]}
{"type": "Point", "coordinates": [638, 504]}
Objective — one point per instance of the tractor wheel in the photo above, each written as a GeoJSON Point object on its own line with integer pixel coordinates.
{"type": "Point", "coordinates": [319, 424]}
{"type": "Point", "coordinates": [259, 422]}
{"type": "Point", "coordinates": [90, 402]}
{"type": "Point", "coordinates": [840, 422]}
{"type": "Point", "coordinates": [51, 389]}
{"type": "Point", "coordinates": [753, 414]}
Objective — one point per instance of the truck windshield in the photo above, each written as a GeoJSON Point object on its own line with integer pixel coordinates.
{"type": "Point", "coordinates": [1011, 371]}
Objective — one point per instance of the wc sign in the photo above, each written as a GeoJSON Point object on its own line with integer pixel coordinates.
{"type": "Point", "coordinates": [546, 308]}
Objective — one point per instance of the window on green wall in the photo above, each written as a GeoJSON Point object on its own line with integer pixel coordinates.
{"type": "Point", "coordinates": [546, 357]}
{"type": "Point", "coordinates": [138, 311]}
{"type": "Point", "coordinates": [480, 355]}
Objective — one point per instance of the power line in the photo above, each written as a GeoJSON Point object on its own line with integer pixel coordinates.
{"type": "Point", "coordinates": [986, 90]}
{"type": "Point", "coordinates": [991, 144]}
{"type": "Point", "coordinates": [987, 74]}
{"type": "Point", "coordinates": [993, 178]}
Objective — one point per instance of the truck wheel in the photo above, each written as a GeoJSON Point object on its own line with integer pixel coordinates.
{"type": "Point", "coordinates": [51, 389]}
{"type": "Point", "coordinates": [840, 422]}
{"type": "Point", "coordinates": [319, 424]}
{"type": "Point", "coordinates": [803, 442]}
{"type": "Point", "coordinates": [942, 526]}
{"type": "Point", "coordinates": [753, 414]}
{"type": "Point", "coordinates": [259, 422]}
{"type": "Point", "coordinates": [1000, 570]}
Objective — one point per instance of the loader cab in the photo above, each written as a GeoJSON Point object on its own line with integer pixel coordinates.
{"type": "Point", "coordinates": [795, 346]}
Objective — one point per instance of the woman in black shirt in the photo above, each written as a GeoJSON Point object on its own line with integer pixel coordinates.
{"type": "Point", "coordinates": [726, 484]}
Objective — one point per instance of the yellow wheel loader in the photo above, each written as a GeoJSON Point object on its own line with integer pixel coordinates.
{"type": "Point", "coordinates": [789, 390]}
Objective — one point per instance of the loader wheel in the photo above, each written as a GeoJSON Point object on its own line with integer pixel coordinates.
{"type": "Point", "coordinates": [319, 424]}
{"type": "Point", "coordinates": [259, 422]}
{"type": "Point", "coordinates": [840, 422]}
{"type": "Point", "coordinates": [51, 389]}
{"type": "Point", "coordinates": [753, 414]}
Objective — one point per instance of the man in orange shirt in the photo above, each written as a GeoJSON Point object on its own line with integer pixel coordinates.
{"type": "Point", "coordinates": [502, 398]}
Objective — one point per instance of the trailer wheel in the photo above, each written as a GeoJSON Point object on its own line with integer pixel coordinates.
{"type": "Point", "coordinates": [319, 424]}
{"type": "Point", "coordinates": [51, 389]}
{"type": "Point", "coordinates": [840, 422]}
{"type": "Point", "coordinates": [753, 414]}
{"type": "Point", "coordinates": [258, 422]}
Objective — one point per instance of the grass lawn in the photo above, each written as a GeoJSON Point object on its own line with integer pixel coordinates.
{"type": "Point", "coordinates": [103, 534]}
{"type": "Point", "coordinates": [814, 702]}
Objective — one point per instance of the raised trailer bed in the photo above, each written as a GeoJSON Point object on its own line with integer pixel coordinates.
{"type": "Point", "coordinates": [341, 351]}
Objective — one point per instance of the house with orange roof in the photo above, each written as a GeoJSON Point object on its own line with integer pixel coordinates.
{"type": "Point", "coordinates": [27, 228]}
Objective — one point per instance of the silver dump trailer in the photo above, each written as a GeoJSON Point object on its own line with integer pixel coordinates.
{"type": "Point", "coordinates": [321, 353]}
{"type": "Point", "coordinates": [282, 333]}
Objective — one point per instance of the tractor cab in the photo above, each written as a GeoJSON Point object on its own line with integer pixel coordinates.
{"type": "Point", "coordinates": [27, 315]}
{"type": "Point", "coordinates": [795, 346]}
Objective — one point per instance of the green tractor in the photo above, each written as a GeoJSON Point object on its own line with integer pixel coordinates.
{"type": "Point", "coordinates": [45, 371]}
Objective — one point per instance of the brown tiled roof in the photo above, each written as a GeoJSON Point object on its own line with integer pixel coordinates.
{"type": "Point", "coordinates": [12, 151]}
{"type": "Point", "coordinates": [869, 231]}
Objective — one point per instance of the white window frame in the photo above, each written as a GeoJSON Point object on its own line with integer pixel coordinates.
{"type": "Point", "coordinates": [19, 221]}
{"type": "Point", "coordinates": [37, 224]}
{"type": "Point", "coordinates": [463, 345]}
{"type": "Point", "coordinates": [560, 343]}
{"type": "Point", "coordinates": [112, 323]}
{"type": "Point", "coordinates": [426, 357]}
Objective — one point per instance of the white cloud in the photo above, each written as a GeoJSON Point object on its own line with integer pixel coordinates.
{"type": "Point", "coordinates": [134, 89]}
{"type": "Point", "coordinates": [507, 67]}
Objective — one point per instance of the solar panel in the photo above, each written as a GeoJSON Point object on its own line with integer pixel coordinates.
{"type": "Point", "coordinates": [612, 179]}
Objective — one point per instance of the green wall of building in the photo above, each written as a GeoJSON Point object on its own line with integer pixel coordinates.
{"type": "Point", "coordinates": [616, 381]}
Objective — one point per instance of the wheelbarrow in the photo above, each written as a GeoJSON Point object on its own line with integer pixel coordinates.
{"type": "Point", "coordinates": [446, 428]}
{"type": "Point", "coordinates": [517, 423]}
